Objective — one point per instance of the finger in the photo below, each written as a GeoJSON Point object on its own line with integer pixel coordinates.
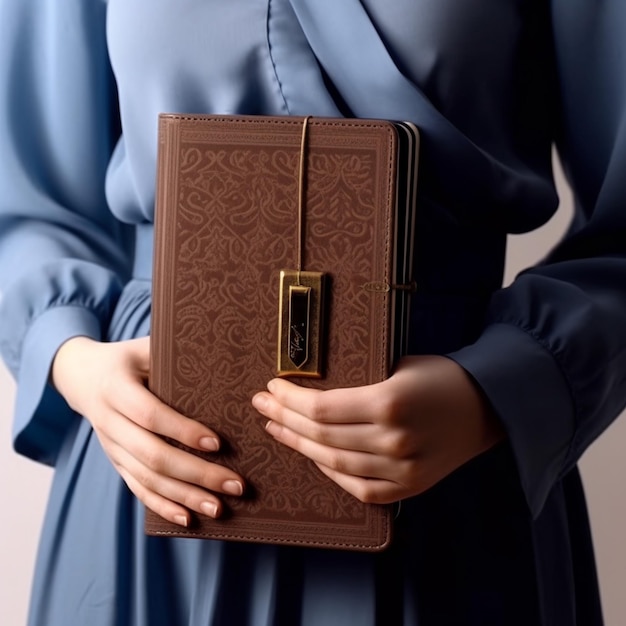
{"type": "Point", "coordinates": [352, 462]}
{"type": "Point", "coordinates": [361, 437]}
{"type": "Point", "coordinates": [142, 407]}
{"type": "Point", "coordinates": [164, 459]}
{"type": "Point", "coordinates": [354, 405]}
{"type": "Point", "coordinates": [367, 490]}
{"type": "Point", "coordinates": [148, 484]}
{"type": "Point", "coordinates": [167, 509]}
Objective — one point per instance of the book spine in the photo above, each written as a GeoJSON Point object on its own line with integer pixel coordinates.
{"type": "Point", "coordinates": [166, 194]}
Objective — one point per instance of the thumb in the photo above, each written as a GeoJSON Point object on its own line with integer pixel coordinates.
{"type": "Point", "coordinates": [139, 353]}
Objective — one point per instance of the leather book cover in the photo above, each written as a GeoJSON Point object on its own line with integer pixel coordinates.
{"type": "Point", "coordinates": [280, 243]}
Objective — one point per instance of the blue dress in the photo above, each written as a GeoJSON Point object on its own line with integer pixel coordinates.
{"type": "Point", "coordinates": [492, 84]}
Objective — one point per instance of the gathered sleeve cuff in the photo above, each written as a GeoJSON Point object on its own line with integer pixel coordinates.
{"type": "Point", "coordinates": [537, 410]}
{"type": "Point", "coordinates": [39, 312]}
{"type": "Point", "coordinates": [552, 358]}
{"type": "Point", "coordinates": [41, 415]}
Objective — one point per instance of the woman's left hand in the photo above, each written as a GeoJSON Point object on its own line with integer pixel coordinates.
{"type": "Point", "coordinates": [391, 440]}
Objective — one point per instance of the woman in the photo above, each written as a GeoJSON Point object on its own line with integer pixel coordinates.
{"type": "Point", "coordinates": [478, 433]}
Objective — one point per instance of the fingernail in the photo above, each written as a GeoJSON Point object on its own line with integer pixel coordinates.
{"type": "Point", "coordinates": [271, 385]}
{"type": "Point", "coordinates": [209, 443]}
{"type": "Point", "coordinates": [209, 508]}
{"type": "Point", "coordinates": [181, 520]}
{"type": "Point", "coordinates": [259, 402]}
{"type": "Point", "coordinates": [233, 487]}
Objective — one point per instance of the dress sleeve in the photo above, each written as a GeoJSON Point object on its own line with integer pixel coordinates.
{"type": "Point", "coordinates": [553, 358]}
{"type": "Point", "coordinates": [63, 256]}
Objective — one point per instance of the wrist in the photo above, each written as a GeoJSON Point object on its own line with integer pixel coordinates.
{"type": "Point", "coordinates": [68, 357]}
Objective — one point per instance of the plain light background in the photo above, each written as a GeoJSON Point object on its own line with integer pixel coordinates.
{"type": "Point", "coordinates": [24, 484]}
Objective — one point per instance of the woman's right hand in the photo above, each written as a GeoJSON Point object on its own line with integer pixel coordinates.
{"type": "Point", "coordinates": [106, 383]}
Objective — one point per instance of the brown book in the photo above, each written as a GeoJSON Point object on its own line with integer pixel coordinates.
{"type": "Point", "coordinates": [283, 246]}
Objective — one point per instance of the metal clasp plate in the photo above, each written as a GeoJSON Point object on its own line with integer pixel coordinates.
{"type": "Point", "coordinates": [300, 323]}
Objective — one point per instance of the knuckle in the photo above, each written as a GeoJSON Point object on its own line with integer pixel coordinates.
{"type": "Point", "coordinates": [320, 433]}
{"type": "Point", "coordinates": [145, 478]}
{"type": "Point", "coordinates": [318, 411]}
{"type": "Point", "coordinates": [190, 499]}
{"type": "Point", "coordinates": [387, 409]}
{"type": "Point", "coordinates": [154, 459]}
{"type": "Point", "coordinates": [204, 477]}
{"type": "Point", "coordinates": [146, 416]}
{"type": "Point", "coordinates": [209, 476]}
{"type": "Point", "coordinates": [399, 444]}
{"type": "Point", "coordinates": [280, 412]}
{"type": "Point", "coordinates": [181, 431]}
{"type": "Point", "coordinates": [337, 461]}
{"type": "Point", "coordinates": [131, 482]}
{"type": "Point", "coordinates": [366, 494]}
